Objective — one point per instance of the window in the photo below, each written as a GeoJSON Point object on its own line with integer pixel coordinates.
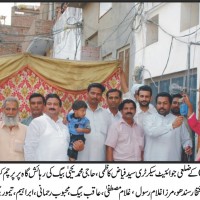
{"type": "Point", "coordinates": [164, 85]}
{"type": "Point", "coordinates": [152, 31]}
{"type": "Point", "coordinates": [189, 15]}
{"type": "Point", "coordinates": [123, 55]}
{"type": "Point", "coordinates": [104, 8]}
{"type": "Point", "coordinates": [179, 79]}
{"type": "Point", "coordinates": [154, 91]}
{"type": "Point", "coordinates": [19, 13]}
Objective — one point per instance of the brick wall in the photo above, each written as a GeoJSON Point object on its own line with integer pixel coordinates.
{"type": "Point", "coordinates": [17, 37]}
{"type": "Point", "coordinates": [90, 53]}
{"type": "Point", "coordinates": [6, 49]}
{"type": "Point", "coordinates": [11, 38]}
{"type": "Point", "coordinates": [39, 28]}
{"type": "Point", "coordinates": [43, 27]}
{"type": "Point", "coordinates": [23, 20]}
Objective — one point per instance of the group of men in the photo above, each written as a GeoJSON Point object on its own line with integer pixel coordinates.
{"type": "Point", "coordinates": [164, 136]}
{"type": "Point", "coordinates": [126, 131]}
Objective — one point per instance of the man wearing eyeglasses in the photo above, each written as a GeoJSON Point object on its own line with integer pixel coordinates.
{"type": "Point", "coordinates": [12, 132]}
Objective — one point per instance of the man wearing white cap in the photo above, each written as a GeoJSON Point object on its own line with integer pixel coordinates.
{"type": "Point", "coordinates": [134, 91]}
{"type": "Point", "coordinates": [126, 93]}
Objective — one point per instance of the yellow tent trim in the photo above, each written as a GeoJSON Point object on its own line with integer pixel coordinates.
{"type": "Point", "coordinates": [69, 75]}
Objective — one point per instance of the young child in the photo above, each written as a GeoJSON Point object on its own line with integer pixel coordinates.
{"type": "Point", "coordinates": [78, 125]}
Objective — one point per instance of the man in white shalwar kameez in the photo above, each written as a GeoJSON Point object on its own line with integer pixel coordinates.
{"type": "Point", "coordinates": [100, 121]}
{"type": "Point", "coordinates": [165, 134]}
{"type": "Point", "coordinates": [47, 138]}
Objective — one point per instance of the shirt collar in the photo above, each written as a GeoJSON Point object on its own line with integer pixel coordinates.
{"type": "Point", "coordinates": [122, 121]}
{"type": "Point", "coordinates": [47, 116]}
{"type": "Point", "coordinates": [118, 113]}
{"type": "Point", "coordinates": [168, 116]}
{"type": "Point", "coordinates": [98, 107]}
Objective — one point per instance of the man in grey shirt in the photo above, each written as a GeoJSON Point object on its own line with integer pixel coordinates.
{"type": "Point", "coordinates": [37, 104]}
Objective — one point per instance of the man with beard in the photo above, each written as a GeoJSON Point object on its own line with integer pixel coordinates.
{"type": "Point", "coordinates": [37, 104]}
{"type": "Point", "coordinates": [175, 109]}
{"type": "Point", "coordinates": [99, 121]}
{"type": "Point", "coordinates": [12, 132]}
{"type": "Point", "coordinates": [165, 134]}
{"type": "Point", "coordinates": [144, 108]}
{"type": "Point", "coordinates": [47, 138]}
{"type": "Point", "coordinates": [125, 139]}
{"type": "Point", "coordinates": [114, 98]}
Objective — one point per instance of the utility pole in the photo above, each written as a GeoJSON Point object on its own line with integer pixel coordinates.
{"type": "Point", "coordinates": [188, 69]}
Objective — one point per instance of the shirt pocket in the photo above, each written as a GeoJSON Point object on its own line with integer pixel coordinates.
{"type": "Point", "coordinates": [124, 138]}
{"type": "Point", "coordinates": [18, 146]}
{"type": "Point", "coordinates": [102, 127]}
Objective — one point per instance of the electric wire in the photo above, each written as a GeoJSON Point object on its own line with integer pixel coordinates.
{"type": "Point", "coordinates": [121, 34]}
{"type": "Point", "coordinates": [120, 23]}
{"type": "Point", "coordinates": [170, 49]}
{"type": "Point", "coordinates": [151, 77]}
{"type": "Point", "coordinates": [175, 37]}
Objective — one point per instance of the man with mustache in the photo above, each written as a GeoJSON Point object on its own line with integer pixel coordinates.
{"type": "Point", "coordinates": [37, 104]}
{"type": "Point", "coordinates": [100, 120]}
{"type": "Point", "coordinates": [12, 132]}
{"type": "Point", "coordinates": [144, 107]}
{"type": "Point", "coordinates": [165, 134]}
{"type": "Point", "coordinates": [114, 98]}
{"type": "Point", "coordinates": [175, 109]}
{"type": "Point", "coordinates": [47, 138]}
{"type": "Point", "coordinates": [125, 139]}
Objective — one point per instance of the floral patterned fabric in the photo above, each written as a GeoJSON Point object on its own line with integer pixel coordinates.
{"type": "Point", "coordinates": [25, 82]}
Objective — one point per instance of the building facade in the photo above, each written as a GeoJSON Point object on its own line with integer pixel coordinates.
{"type": "Point", "coordinates": [12, 36]}
{"type": "Point", "coordinates": [67, 32]}
{"type": "Point", "coordinates": [167, 48]}
{"type": "Point", "coordinates": [105, 32]}
{"type": "Point", "coordinates": [156, 43]}
{"type": "Point", "coordinates": [30, 30]}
